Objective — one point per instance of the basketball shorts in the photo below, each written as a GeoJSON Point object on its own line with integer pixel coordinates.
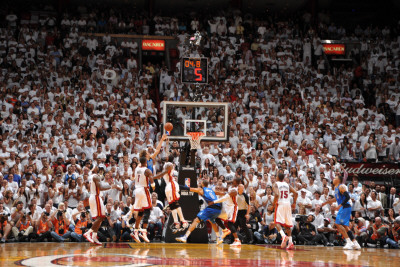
{"type": "Point", "coordinates": [209, 214]}
{"type": "Point", "coordinates": [343, 216]}
{"type": "Point", "coordinates": [229, 213]}
{"type": "Point", "coordinates": [283, 215]}
{"type": "Point", "coordinates": [142, 199]}
{"type": "Point", "coordinates": [172, 192]}
{"type": "Point", "coordinates": [97, 208]}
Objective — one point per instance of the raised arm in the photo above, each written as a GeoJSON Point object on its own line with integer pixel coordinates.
{"type": "Point", "coordinates": [158, 148]}
{"type": "Point", "coordinates": [345, 174]}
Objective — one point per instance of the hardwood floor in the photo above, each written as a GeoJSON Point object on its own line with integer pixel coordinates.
{"type": "Point", "coordinates": [160, 254]}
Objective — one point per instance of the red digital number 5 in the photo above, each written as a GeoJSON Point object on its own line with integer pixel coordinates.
{"type": "Point", "coordinates": [284, 194]}
{"type": "Point", "coordinates": [198, 75]}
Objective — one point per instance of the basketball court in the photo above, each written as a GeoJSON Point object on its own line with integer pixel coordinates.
{"type": "Point", "coordinates": [162, 254]}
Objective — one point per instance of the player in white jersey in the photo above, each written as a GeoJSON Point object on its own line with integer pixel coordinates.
{"type": "Point", "coordinates": [172, 193]}
{"type": "Point", "coordinates": [228, 214]}
{"type": "Point", "coordinates": [283, 210]}
{"type": "Point", "coordinates": [142, 205]}
{"type": "Point", "coordinates": [97, 209]}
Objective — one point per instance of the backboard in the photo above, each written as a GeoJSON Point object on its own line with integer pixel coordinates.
{"type": "Point", "coordinates": [208, 117]}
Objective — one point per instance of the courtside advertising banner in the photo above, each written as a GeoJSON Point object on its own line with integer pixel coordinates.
{"type": "Point", "coordinates": [154, 45]}
{"type": "Point", "coordinates": [373, 171]}
{"type": "Point", "coordinates": [334, 49]}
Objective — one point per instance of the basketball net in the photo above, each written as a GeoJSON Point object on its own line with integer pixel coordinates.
{"type": "Point", "coordinates": [195, 139]}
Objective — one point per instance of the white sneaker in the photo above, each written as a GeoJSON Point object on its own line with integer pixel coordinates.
{"type": "Point", "coordinates": [219, 241]}
{"type": "Point", "coordinates": [143, 235]}
{"type": "Point", "coordinates": [96, 241]}
{"type": "Point", "coordinates": [349, 245]}
{"type": "Point", "coordinates": [88, 237]}
{"type": "Point", "coordinates": [356, 245]}
{"type": "Point", "coordinates": [237, 243]}
{"type": "Point", "coordinates": [135, 235]}
{"type": "Point", "coordinates": [182, 239]}
{"type": "Point", "coordinates": [290, 246]}
{"type": "Point", "coordinates": [284, 241]}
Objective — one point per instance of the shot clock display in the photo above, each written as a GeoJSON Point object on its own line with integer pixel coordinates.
{"type": "Point", "coordinates": [194, 70]}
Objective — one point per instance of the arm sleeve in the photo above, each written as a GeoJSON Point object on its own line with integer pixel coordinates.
{"type": "Point", "coordinates": [347, 197]}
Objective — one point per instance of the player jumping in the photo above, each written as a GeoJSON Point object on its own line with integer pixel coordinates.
{"type": "Point", "coordinates": [172, 193]}
{"type": "Point", "coordinates": [283, 210]}
{"type": "Point", "coordinates": [142, 205]}
{"type": "Point", "coordinates": [343, 216]}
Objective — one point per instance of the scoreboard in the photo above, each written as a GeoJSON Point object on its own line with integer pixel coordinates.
{"type": "Point", "coordinates": [194, 70]}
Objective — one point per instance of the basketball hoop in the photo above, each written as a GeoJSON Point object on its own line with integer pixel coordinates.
{"type": "Point", "coordinates": [195, 138]}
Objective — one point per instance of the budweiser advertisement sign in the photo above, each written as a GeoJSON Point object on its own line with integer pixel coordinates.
{"type": "Point", "coordinates": [334, 49]}
{"type": "Point", "coordinates": [372, 170]}
{"type": "Point", "coordinates": [155, 45]}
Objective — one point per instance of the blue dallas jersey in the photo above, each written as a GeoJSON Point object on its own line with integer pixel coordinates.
{"type": "Point", "coordinates": [209, 195]}
{"type": "Point", "coordinates": [340, 198]}
{"type": "Point", "coordinates": [150, 165]}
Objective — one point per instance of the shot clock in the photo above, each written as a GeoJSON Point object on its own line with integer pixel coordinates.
{"type": "Point", "coordinates": [194, 70]}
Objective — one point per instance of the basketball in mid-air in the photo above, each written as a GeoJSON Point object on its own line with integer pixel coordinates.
{"type": "Point", "coordinates": [168, 127]}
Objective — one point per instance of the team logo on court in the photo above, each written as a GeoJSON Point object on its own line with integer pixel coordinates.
{"type": "Point", "coordinates": [84, 259]}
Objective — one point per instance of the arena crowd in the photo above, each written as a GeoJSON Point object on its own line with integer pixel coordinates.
{"type": "Point", "coordinates": [63, 116]}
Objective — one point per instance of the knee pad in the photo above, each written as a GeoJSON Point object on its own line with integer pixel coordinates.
{"type": "Point", "coordinates": [146, 216]}
{"type": "Point", "coordinates": [174, 205]}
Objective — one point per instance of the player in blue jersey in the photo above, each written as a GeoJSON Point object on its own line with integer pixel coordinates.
{"type": "Point", "coordinates": [210, 213]}
{"type": "Point", "coordinates": [343, 216]}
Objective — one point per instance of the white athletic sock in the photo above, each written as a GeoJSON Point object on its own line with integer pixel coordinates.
{"type": "Point", "coordinates": [282, 233]}
{"type": "Point", "coordinates": [187, 233]}
{"type": "Point", "coordinates": [179, 210]}
{"type": "Point", "coordinates": [290, 239]}
{"type": "Point", "coordinates": [90, 230]}
{"type": "Point", "coordinates": [348, 240]}
{"type": "Point", "coordinates": [94, 235]}
{"type": "Point", "coordinates": [175, 215]}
